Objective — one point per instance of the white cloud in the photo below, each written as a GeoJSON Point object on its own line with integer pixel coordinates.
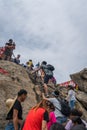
{"type": "Point", "coordinates": [51, 30]}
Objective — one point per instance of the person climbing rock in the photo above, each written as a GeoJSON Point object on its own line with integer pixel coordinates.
{"type": "Point", "coordinates": [54, 99]}
{"type": "Point", "coordinates": [48, 74]}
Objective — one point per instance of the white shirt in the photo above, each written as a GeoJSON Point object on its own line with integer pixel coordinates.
{"type": "Point", "coordinates": [71, 95]}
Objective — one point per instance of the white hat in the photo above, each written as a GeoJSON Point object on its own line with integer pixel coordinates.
{"type": "Point", "coordinates": [9, 104]}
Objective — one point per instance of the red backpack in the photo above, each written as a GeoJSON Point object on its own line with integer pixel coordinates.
{"type": "Point", "coordinates": [2, 50]}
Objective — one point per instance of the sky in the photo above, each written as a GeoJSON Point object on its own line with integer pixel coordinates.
{"type": "Point", "coordinates": [50, 30]}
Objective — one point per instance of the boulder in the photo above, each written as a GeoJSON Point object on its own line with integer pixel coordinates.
{"type": "Point", "coordinates": [10, 83]}
{"type": "Point", "coordinates": [81, 102]}
{"type": "Point", "coordinates": [80, 79]}
{"type": "Point", "coordinates": [82, 98]}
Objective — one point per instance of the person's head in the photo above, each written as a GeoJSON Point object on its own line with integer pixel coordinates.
{"type": "Point", "coordinates": [74, 113]}
{"type": "Point", "coordinates": [30, 60]}
{"type": "Point", "coordinates": [22, 94]}
{"type": "Point", "coordinates": [70, 87]}
{"type": "Point", "coordinates": [10, 41]}
{"type": "Point", "coordinates": [57, 126]}
{"type": "Point", "coordinates": [55, 93]}
{"type": "Point", "coordinates": [18, 56]}
{"type": "Point", "coordinates": [44, 63]}
{"type": "Point", "coordinates": [46, 105]}
{"type": "Point", "coordinates": [77, 120]}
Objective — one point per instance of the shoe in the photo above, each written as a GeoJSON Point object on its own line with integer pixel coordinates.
{"type": "Point", "coordinates": [47, 95]}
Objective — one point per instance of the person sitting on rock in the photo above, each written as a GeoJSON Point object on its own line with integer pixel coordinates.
{"type": "Point", "coordinates": [17, 59]}
{"type": "Point", "coordinates": [14, 114]}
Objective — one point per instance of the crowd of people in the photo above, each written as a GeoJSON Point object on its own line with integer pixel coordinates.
{"type": "Point", "coordinates": [46, 115]}
{"type": "Point", "coordinates": [53, 112]}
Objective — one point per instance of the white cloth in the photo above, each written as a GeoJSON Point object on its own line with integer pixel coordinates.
{"type": "Point", "coordinates": [71, 95]}
{"type": "Point", "coordinates": [57, 104]}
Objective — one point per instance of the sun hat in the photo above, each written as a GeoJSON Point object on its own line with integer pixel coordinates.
{"type": "Point", "coordinates": [9, 104]}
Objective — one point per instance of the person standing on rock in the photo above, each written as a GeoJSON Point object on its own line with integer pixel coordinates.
{"type": "Point", "coordinates": [14, 114]}
{"type": "Point", "coordinates": [71, 98]}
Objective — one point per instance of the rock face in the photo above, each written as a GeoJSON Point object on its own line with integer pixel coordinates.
{"type": "Point", "coordinates": [81, 102]}
{"type": "Point", "coordinates": [16, 79]}
{"type": "Point", "coordinates": [80, 78]}
{"type": "Point", "coordinates": [82, 98]}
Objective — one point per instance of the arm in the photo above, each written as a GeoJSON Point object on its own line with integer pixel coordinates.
{"type": "Point", "coordinates": [15, 119]}
{"type": "Point", "coordinates": [44, 125]}
{"type": "Point", "coordinates": [43, 96]}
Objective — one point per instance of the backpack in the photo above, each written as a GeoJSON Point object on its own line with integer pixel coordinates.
{"type": "Point", "coordinates": [50, 67]}
{"type": "Point", "coordinates": [65, 109]}
{"type": "Point", "coordinates": [2, 50]}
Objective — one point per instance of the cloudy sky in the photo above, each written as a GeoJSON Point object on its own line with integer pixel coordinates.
{"type": "Point", "coordinates": [51, 30]}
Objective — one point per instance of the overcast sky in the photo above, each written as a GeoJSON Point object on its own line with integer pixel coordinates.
{"type": "Point", "coordinates": [51, 30]}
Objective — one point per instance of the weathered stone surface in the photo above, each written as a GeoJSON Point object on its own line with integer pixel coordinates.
{"type": "Point", "coordinates": [10, 84]}
{"type": "Point", "coordinates": [81, 102]}
{"type": "Point", "coordinates": [80, 78]}
{"type": "Point", "coordinates": [82, 98]}
{"type": "Point", "coordinates": [79, 106]}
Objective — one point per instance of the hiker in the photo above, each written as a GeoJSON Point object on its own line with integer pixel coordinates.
{"type": "Point", "coordinates": [57, 126]}
{"type": "Point", "coordinates": [17, 59]}
{"type": "Point", "coordinates": [9, 47]}
{"type": "Point", "coordinates": [14, 114]}
{"type": "Point", "coordinates": [52, 120]}
{"type": "Point", "coordinates": [78, 124]}
{"type": "Point", "coordinates": [58, 114]}
{"type": "Point", "coordinates": [71, 98]}
{"type": "Point", "coordinates": [53, 80]}
{"type": "Point", "coordinates": [38, 116]}
{"type": "Point", "coordinates": [48, 74]}
{"type": "Point", "coordinates": [74, 113]}
{"type": "Point", "coordinates": [30, 65]}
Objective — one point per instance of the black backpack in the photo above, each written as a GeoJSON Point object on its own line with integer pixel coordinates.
{"type": "Point", "coordinates": [65, 109]}
{"type": "Point", "coordinates": [50, 67]}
